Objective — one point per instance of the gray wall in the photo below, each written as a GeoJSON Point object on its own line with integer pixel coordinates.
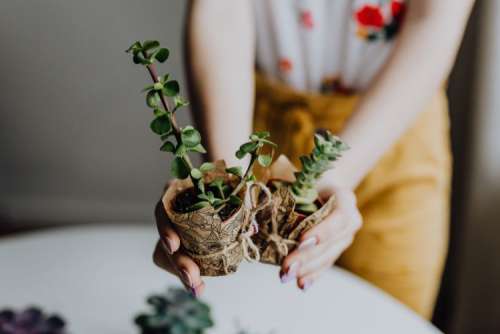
{"type": "Point", "coordinates": [75, 144]}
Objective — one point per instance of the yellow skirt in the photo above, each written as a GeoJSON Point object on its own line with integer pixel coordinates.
{"type": "Point", "coordinates": [404, 200]}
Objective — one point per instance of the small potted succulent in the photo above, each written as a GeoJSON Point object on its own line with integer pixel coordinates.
{"type": "Point", "coordinates": [176, 312]}
{"type": "Point", "coordinates": [30, 321]}
{"type": "Point", "coordinates": [205, 203]}
{"type": "Point", "coordinates": [295, 205]}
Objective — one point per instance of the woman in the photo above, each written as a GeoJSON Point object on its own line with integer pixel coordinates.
{"type": "Point", "coordinates": [371, 71]}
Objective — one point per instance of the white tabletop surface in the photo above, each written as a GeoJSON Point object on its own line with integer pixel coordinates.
{"type": "Point", "coordinates": [97, 277]}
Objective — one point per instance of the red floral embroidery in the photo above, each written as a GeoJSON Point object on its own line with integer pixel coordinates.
{"type": "Point", "coordinates": [285, 65]}
{"type": "Point", "coordinates": [398, 9]}
{"type": "Point", "coordinates": [306, 19]}
{"type": "Point", "coordinates": [370, 16]}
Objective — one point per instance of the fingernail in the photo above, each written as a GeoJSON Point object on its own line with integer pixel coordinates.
{"type": "Point", "coordinates": [186, 278]}
{"type": "Point", "coordinates": [307, 244]}
{"type": "Point", "coordinates": [167, 245]}
{"type": "Point", "coordinates": [291, 273]}
{"type": "Point", "coordinates": [307, 284]}
{"type": "Point", "coordinates": [194, 292]}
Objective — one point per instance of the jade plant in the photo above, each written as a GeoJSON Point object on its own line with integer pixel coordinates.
{"type": "Point", "coordinates": [176, 312]}
{"type": "Point", "coordinates": [327, 148]}
{"type": "Point", "coordinates": [163, 97]}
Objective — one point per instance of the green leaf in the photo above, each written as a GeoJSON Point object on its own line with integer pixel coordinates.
{"type": "Point", "coordinates": [158, 86]}
{"type": "Point", "coordinates": [190, 136]}
{"type": "Point", "coordinates": [179, 168]}
{"type": "Point", "coordinates": [196, 173]}
{"type": "Point", "coordinates": [180, 150]}
{"type": "Point", "coordinates": [199, 205]}
{"type": "Point", "coordinates": [161, 125]}
{"type": "Point", "coordinates": [171, 88]}
{"type": "Point", "coordinates": [264, 160]}
{"type": "Point", "coordinates": [234, 200]}
{"type": "Point", "coordinates": [235, 171]}
{"type": "Point", "coordinates": [160, 112]}
{"type": "Point", "coordinates": [179, 102]}
{"type": "Point", "coordinates": [201, 185]}
{"type": "Point", "coordinates": [207, 167]}
{"type": "Point", "coordinates": [162, 55]}
{"type": "Point", "coordinates": [262, 134]}
{"type": "Point", "coordinates": [167, 147]}
{"type": "Point", "coordinates": [152, 99]}
{"type": "Point", "coordinates": [147, 88]}
{"type": "Point", "coordinates": [240, 154]}
{"type": "Point", "coordinates": [198, 148]}
{"type": "Point", "coordinates": [249, 147]}
{"type": "Point", "coordinates": [268, 142]}
{"type": "Point", "coordinates": [136, 46]}
{"type": "Point", "coordinates": [150, 45]}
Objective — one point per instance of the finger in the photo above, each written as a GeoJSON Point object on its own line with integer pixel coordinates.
{"type": "Point", "coordinates": [327, 258]}
{"type": "Point", "coordinates": [168, 236]}
{"type": "Point", "coordinates": [181, 266]}
{"type": "Point", "coordinates": [306, 281]}
{"type": "Point", "coordinates": [326, 230]}
{"type": "Point", "coordinates": [189, 272]}
{"type": "Point", "coordinates": [163, 260]}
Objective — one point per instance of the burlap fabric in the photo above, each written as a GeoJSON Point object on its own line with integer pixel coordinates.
{"type": "Point", "coordinates": [216, 246]}
{"type": "Point", "coordinates": [280, 226]}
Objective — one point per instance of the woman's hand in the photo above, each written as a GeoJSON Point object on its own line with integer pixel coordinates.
{"type": "Point", "coordinates": [168, 256]}
{"type": "Point", "coordinates": [322, 245]}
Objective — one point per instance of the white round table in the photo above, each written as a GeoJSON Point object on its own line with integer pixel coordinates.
{"type": "Point", "coordinates": [97, 277]}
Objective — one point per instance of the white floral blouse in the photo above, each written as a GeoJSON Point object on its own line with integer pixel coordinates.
{"type": "Point", "coordinates": [325, 45]}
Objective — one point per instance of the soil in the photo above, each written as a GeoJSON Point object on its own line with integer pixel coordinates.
{"type": "Point", "coordinates": [188, 197]}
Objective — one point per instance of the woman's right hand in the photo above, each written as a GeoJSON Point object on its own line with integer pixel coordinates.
{"type": "Point", "coordinates": [168, 255]}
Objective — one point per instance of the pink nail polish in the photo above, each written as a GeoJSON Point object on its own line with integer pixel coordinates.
{"type": "Point", "coordinates": [291, 273]}
{"type": "Point", "coordinates": [307, 284]}
{"type": "Point", "coordinates": [307, 244]}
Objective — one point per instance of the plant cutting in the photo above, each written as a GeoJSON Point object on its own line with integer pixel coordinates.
{"type": "Point", "coordinates": [31, 320]}
{"type": "Point", "coordinates": [205, 203]}
{"type": "Point", "coordinates": [295, 205]}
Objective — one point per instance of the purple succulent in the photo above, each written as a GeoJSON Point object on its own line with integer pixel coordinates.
{"type": "Point", "coordinates": [30, 321]}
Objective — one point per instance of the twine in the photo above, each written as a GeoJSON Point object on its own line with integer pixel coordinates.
{"type": "Point", "coordinates": [250, 251]}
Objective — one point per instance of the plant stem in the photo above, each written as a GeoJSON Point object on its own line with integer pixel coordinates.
{"type": "Point", "coordinates": [243, 180]}
{"type": "Point", "coordinates": [177, 131]}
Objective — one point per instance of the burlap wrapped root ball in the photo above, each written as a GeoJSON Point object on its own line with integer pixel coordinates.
{"type": "Point", "coordinates": [216, 246]}
{"type": "Point", "coordinates": [280, 226]}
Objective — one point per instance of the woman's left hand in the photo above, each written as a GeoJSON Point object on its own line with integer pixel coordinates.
{"type": "Point", "coordinates": [323, 244]}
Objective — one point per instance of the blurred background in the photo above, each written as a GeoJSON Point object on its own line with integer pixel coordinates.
{"type": "Point", "coordinates": [75, 146]}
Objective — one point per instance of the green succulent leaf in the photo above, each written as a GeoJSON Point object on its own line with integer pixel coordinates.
{"type": "Point", "coordinates": [235, 171]}
{"type": "Point", "coordinates": [234, 200]}
{"type": "Point", "coordinates": [190, 136]}
{"type": "Point", "coordinates": [240, 154]}
{"type": "Point", "coordinates": [161, 125]}
{"type": "Point", "coordinates": [152, 99]}
{"type": "Point", "coordinates": [180, 150]}
{"type": "Point", "coordinates": [199, 205]}
{"type": "Point", "coordinates": [134, 47]}
{"type": "Point", "coordinates": [264, 160]}
{"type": "Point", "coordinates": [150, 45]}
{"type": "Point", "coordinates": [162, 55]}
{"type": "Point", "coordinates": [196, 173]}
{"type": "Point", "coordinates": [168, 147]}
{"type": "Point", "coordinates": [249, 147]}
{"type": "Point", "coordinates": [171, 88]}
{"type": "Point", "coordinates": [179, 168]}
{"type": "Point", "coordinates": [198, 148]}
{"type": "Point", "coordinates": [262, 134]}
{"type": "Point", "coordinates": [207, 167]}
{"type": "Point", "coordinates": [158, 86]}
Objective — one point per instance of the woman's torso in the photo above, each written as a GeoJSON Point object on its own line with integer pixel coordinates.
{"type": "Point", "coordinates": [325, 45]}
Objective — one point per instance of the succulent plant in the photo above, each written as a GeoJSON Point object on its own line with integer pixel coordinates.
{"type": "Point", "coordinates": [30, 321]}
{"type": "Point", "coordinates": [163, 96]}
{"type": "Point", "coordinates": [176, 312]}
{"type": "Point", "coordinates": [327, 148]}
